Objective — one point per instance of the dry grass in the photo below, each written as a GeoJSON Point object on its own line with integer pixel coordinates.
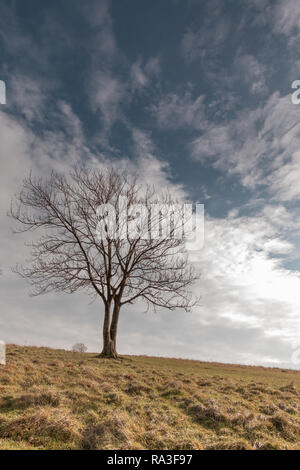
{"type": "Point", "coordinates": [55, 399]}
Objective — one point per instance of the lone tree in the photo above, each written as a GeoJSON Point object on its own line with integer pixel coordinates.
{"type": "Point", "coordinates": [79, 215]}
{"type": "Point", "coordinates": [79, 347]}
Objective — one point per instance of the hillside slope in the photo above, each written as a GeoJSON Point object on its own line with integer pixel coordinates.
{"type": "Point", "coordinates": [55, 399]}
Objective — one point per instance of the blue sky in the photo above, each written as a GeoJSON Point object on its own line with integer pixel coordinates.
{"type": "Point", "coordinates": [196, 97]}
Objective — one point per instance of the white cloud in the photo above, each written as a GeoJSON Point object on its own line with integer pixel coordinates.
{"type": "Point", "coordinates": [286, 19]}
{"type": "Point", "coordinates": [27, 96]}
{"type": "Point", "coordinates": [284, 181]}
{"type": "Point", "coordinates": [260, 146]}
{"type": "Point", "coordinates": [205, 42]}
{"type": "Point", "coordinates": [138, 76]}
{"type": "Point", "coordinates": [104, 88]}
{"type": "Point", "coordinates": [282, 15]}
{"type": "Point", "coordinates": [142, 74]}
{"type": "Point", "coordinates": [150, 169]}
{"type": "Point", "coordinates": [242, 283]}
{"type": "Point", "coordinates": [153, 66]}
{"type": "Point", "coordinates": [252, 72]}
{"type": "Point", "coordinates": [98, 16]}
{"type": "Point", "coordinates": [174, 111]}
{"type": "Point", "coordinates": [106, 95]}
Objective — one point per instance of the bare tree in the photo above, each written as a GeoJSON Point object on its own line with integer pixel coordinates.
{"type": "Point", "coordinates": [70, 255]}
{"type": "Point", "coordinates": [79, 347]}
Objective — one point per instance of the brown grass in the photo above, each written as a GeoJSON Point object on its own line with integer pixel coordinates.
{"type": "Point", "coordinates": [55, 399]}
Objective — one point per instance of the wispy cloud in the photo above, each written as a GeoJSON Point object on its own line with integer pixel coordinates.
{"type": "Point", "coordinates": [142, 73]}
{"type": "Point", "coordinates": [206, 42]}
{"type": "Point", "coordinates": [260, 146]}
{"type": "Point", "coordinates": [174, 111]}
{"type": "Point", "coordinates": [286, 19]}
{"type": "Point", "coordinates": [106, 95]}
{"type": "Point", "coordinates": [254, 74]}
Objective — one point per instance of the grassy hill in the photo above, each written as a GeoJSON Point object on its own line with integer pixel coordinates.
{"type": "Point", "coordinates": [55, 399]}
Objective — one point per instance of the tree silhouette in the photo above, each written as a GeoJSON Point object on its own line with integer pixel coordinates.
{"type": "Point", "coordinates": [77, 249]}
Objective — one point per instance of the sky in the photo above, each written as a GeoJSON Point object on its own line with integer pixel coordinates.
{"type": "Point", "coordinates": [195, 96]}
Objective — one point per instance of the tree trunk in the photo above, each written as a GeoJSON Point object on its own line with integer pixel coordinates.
{"type": "Point", "coordinates": [110, 333]}
{"type": "Point", "coordinates": [109, 349]}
